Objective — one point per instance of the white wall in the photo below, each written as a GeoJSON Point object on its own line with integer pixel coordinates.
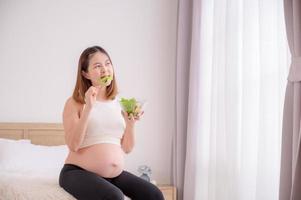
{"type": "Point", "coordinates": [40, 43]}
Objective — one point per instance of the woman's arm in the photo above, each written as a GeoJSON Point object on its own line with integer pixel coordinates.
{"type": "Point", "coordinates": [74, 124]}
{"type": "Point", "coordinates": [128, 139]}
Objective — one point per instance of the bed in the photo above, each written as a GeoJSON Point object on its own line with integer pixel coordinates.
{"type": "Point", "coordinates": [31, 156]}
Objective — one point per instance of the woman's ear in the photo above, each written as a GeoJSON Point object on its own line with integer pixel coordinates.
{"type": "Point", "coordinates": [86, 75]}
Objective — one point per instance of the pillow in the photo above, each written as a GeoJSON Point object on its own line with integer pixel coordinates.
{"type": "Point", "coordinates": [24, 156]}
{"type": "Point", "coordinates": [6, 144]}
{"type": "Point", "coordinates": [6, 140]}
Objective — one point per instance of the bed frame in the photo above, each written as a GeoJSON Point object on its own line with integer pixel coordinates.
{"type": "Point", "coordinates": [48, 134]}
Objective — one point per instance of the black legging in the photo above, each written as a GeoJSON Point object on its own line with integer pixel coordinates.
{"type": "Point", "coordinates": [86, 185]}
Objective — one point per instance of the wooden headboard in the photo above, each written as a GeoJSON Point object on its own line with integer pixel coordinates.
{"type": "Point", "coordinates": [49, 134]}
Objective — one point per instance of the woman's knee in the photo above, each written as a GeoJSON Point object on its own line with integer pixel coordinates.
{"type": "Point", "coordinates": [157, 194]}
{"type": "Point", "coordinates": [153, 193]}
{"type": "Point", "coordinates": [114, 194]}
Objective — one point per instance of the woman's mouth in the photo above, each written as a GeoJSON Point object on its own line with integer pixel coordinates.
{"type": "Point", "coordinates": [105, 80]}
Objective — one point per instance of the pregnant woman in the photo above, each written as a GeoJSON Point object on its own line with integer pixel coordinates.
{"type": "Point", "coordinates": [98, 134]}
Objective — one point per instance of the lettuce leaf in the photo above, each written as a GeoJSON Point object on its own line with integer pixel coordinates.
{"type": "Point", "coordinates": [129, 105]}
{"type": "Point", "coordinates": [105, 80]}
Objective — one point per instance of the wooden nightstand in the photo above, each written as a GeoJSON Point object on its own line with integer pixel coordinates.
{"type": "Point", "coordinates": [169, 192]}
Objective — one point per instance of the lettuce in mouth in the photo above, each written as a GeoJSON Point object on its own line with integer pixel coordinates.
{"type": "Point", "coordinates": [105, 81]}
{"type": "Point", "coordinates": [131, 106]}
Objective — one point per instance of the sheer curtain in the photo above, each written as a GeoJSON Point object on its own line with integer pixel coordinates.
{"type": "Point", "coordinates": [238, 70]}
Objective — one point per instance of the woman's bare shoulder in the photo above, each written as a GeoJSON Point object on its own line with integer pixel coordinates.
{"type": "Point", "coordinates": [72, 106]}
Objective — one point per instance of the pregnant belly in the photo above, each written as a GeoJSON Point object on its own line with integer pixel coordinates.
{"type": "Point", "coordinates": [106, 160]}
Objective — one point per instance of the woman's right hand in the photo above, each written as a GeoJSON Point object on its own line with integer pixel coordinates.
{"type": "Point", "coordinates": [90, 96]}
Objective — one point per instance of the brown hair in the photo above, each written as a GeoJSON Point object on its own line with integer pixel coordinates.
{"type": "Point", "coordinates": [83, 84]}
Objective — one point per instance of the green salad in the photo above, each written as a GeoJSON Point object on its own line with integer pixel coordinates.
{"type": "Point", "coordinates": [105, 81]}
{"type": "Point", "coordinates": [131, 106]}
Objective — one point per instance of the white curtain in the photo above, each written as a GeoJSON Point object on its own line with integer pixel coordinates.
{"type": "Point", "coordinates": [238, 70]}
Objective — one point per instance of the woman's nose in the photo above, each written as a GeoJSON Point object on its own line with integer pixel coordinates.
{"type": "Point", "coordinates": [103, 71]}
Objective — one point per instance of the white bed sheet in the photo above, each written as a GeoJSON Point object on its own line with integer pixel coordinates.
{"type": "Point", "coordinates": [28, 185]}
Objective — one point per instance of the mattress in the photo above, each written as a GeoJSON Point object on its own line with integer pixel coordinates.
{"type": "Point", "coordinates": [31, 186]}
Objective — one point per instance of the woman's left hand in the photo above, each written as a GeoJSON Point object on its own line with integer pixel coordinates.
{"type": "Point", "coordinates": [131, 119]}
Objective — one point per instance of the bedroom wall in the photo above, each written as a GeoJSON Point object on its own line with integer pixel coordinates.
{"type": "Point", "coordinates": [40, 45]}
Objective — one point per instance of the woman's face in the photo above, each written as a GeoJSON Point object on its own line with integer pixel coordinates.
{"type": "Point", "coordinates": [99, 66]}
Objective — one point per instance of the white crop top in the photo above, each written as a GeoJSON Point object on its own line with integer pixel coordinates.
{"type": "Point", "coordinates": [105, 124]}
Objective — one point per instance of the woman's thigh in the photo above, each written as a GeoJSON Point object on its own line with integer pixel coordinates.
{"type": "Point", "coordinates": [85, 185]}
{"type": "Point", "coordinates": [137, 188]}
